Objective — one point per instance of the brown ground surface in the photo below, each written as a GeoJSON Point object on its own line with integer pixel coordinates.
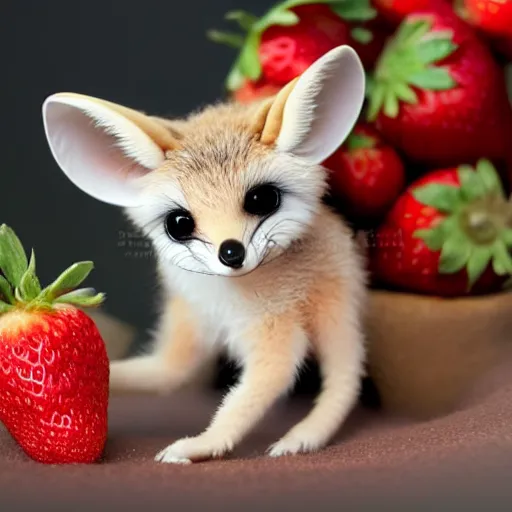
{"type": "Point", "coordinates": [376, 463]}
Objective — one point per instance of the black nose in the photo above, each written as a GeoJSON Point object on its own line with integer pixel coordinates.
{"type": "Point", "coordinates": [232, 253]}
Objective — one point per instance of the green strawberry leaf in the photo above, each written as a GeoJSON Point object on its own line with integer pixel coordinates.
{"type": "Point", "coordinates": [245, 20]}
{"type": "Point", "coordinates": [478, 261]}
{"type": "Point", "coordinates": [471, 185]}
{"type": "Point", "coordinates": [249, 62]}
{"type": "Point", "coordinates": [445, 198]}
{"type": "Point", "coordinates": [85, 297]}
{"type": "Point", "coordinates": [29, 287]}
{"type": "Point", "coordinates": [13, 260]}
{"type": "Point", "coordinates": [410, 59]}
{"type": "Point", "coordinates": [235, 79]}
{"type": "Point", "coordinates": [502, 261]}
{"type": "Point", "coordinates": [411, 31]}
{"type": "Point", "coordinates": [4, 307]}
{"type": "Point", "coordinates": [354, 10]}
{"type": "Point", "coordinates": [405, 93]}
{"type": "Point", "coordinates": [489, 177]}
{"type": "Point", "coordinates": [506, 236]}
{"type": "Point", "coordinates": [391, 105]}
{"type": "Point", "coordinates": [455, 253]}
{"type": "Point", "coordinates": [356, 141]}
{"type": "Point", "coordinates": [377, 96]}
{"type": "Point", "coordinates": [434, 237]}
{"type": "Point", "coordinates": [68, 280]}
{"type": "Point", "coordinates": [27, 292]}
{"type": "Point", "coordinates": [435, 49]}
{"type": "Point", "coordinates": [361, 35]}
{"type": "Point", "coordinates": [278, 17]}
{"type": "Point", "coordinates": [227, 38]}
{"type": "Point", "coordinates": [6, 291]}
{"type": "Point", "coordinates": [370, 83]}
{"type": "Point", "coordinates": [434, 79]}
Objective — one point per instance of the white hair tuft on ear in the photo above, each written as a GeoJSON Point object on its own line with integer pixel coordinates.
{"type": "Point", "coordinates": [99, 149]}
{"type": "Point", "coordinates": [323, 106]}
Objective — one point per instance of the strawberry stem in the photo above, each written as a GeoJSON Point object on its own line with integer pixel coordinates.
{"type": "Point", "coordinates": [21, 287]}
{"type": "Point", "coordinates": [476, 230]}
{"type": "Point", "coordinates": [247, 64]}
{"type": "Point", "coordinates": [410, 60]}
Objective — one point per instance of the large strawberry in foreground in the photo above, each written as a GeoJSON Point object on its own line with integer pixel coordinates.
{"type": "Point", "coordinates": [366, 175]}
{"type": "Point", "coordinates": [438, 95]}
{"type": "Point", "coordinates": [449, 234]}
{"type": "Point", "coordinates": [54, 371]}
{"type": "Point", "coordinates": [279, 46]}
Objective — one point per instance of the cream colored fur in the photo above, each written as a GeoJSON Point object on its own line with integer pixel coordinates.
{"type": "Point", "coordinates": [302, 287]}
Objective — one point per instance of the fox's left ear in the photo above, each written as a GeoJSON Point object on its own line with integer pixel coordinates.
{"type": "Point", "coordinates": [103, 148]}
{"type": "Point", "coordinates": [313, 115]}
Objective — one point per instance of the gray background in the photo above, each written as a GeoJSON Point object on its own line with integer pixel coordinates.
{"type": "Point", "coordinates": [150, 55]}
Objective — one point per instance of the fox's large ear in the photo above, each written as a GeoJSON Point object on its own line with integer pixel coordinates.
{"type": "Point", "coordinates": [313, 115]}
{"type": "Point", "coordinates": [103, 147]}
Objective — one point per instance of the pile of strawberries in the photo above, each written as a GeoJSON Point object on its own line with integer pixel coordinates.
{"type": "Point", "coordinates": [427, 170]}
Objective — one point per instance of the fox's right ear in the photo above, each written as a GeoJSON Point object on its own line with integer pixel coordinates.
{"type": "Point", "coordinates": [314, 113]}
{"type": "Point", "coordinates": [103, 147]}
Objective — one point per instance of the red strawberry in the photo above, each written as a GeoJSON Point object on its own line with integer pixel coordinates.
{"type": "Point", "coordinates": [367, 175]}
{"type": "Point", "coordinates": [286, 52]}
{"type": "Point", "coordinates": [292, 35]}
{"type": "Point", "coordinates": [396, 10]}
{"type": "Point", "coordinates": [438, 94]}
{"type": "Point", "coordinates": [252, 91]}
{"type": "Point", "coordinates": [449, 234]}
{"type": "Point", "coordinates": [491, 17]}
{"type": "Point", "coordinates": [54, 370]}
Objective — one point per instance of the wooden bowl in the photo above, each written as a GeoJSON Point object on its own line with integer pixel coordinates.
{"type": "Point", "coordinates": [426, 353]}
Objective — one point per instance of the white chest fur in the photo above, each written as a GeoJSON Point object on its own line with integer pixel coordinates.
{"type": "Point", "coordinates": [222, 312]}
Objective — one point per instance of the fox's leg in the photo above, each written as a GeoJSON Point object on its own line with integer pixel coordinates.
{"type": "Point", "coordinates": [278, 349]}
{"type": "Point", "coordinates": [176, 355]}
{"type": "Point", "coordinates": [339, 345]}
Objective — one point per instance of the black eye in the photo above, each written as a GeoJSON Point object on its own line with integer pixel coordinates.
{"type": "Point", "coordinates": [262, 200]}
{"type": "Point", "coordinates": [180, 225]}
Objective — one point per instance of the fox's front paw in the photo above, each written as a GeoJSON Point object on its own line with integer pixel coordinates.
{"type": "Point", "coordinates": [194, 449]}
{"type": "Point", "coordinates": [296, 442]}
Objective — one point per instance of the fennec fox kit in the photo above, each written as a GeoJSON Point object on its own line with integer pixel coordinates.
{"type": "Point", "coordinates": [249, 257]}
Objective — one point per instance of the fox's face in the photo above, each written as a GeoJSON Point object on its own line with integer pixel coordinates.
{"type": "Point", "coordinates": [227, 190]}
{"type": "Point", "coordinates": [227, 207]}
